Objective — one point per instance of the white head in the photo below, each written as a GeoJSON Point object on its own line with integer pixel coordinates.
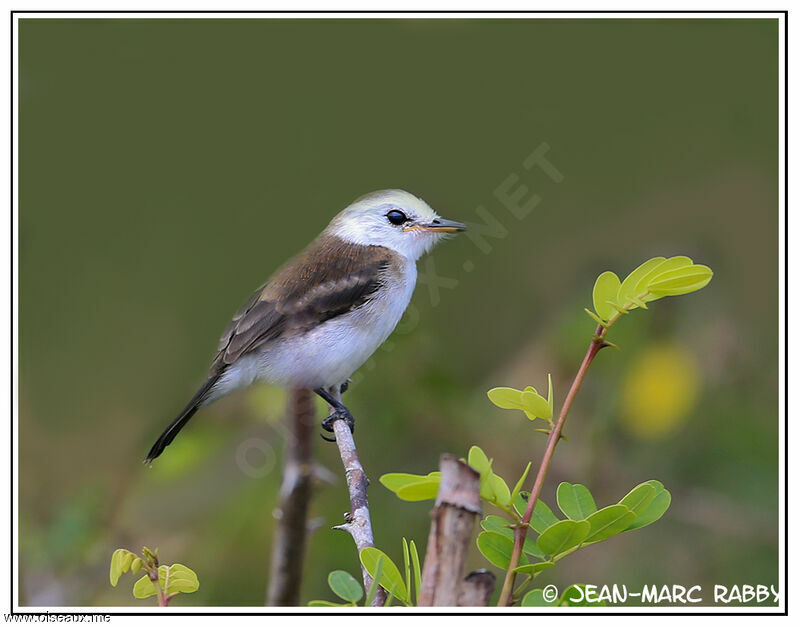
{"type": "Point", "coordinates": [395, 219]}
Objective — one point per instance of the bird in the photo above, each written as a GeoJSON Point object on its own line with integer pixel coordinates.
{"type": "Point", "coordinates": [327, 310]}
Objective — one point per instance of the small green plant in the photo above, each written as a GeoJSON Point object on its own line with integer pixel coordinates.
{"type": "Point", "coordinates": [557, 538]}
{"type": "Point", "coordinates": [384, 573]}
{"type": "Point", "coordinates": [163, 581]}
{"type": "Point", "coordinates": [504, 540]}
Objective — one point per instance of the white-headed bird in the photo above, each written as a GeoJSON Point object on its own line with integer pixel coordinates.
{"type": "Point", "coordinates": [326, 311]}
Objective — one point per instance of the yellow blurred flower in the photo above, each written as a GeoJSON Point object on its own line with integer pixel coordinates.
{"type": "Point", "coordinates": [659, 391]}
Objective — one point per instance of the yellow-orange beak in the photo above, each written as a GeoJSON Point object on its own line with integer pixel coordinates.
{"type": "Point", "coordinates": [440, 224]}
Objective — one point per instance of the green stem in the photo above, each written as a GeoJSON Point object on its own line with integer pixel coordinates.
{"type": "Point", "coordinates": [523, 584]}
{"type": "Point", "coordinates": [521, 531]}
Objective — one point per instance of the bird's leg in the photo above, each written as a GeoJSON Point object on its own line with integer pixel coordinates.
{"type": "Point", "coordinates": [339, 411]}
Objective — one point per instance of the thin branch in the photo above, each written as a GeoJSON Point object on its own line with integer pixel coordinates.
{"type": "Point", "coordinates": [357, 521]}
{"type": "Point", "coordinates": [292, 529]}
{"type": "Point", "coordinates": [458, 504]}
{"type": "Point", "coordinates": [521, 531]}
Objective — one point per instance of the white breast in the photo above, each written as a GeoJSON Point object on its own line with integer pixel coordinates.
{"type": "Point", "coordinates": [331, 352]}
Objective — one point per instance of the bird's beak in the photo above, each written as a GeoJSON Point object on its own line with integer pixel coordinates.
{"type": "Point", "coordinates": [440, 225]}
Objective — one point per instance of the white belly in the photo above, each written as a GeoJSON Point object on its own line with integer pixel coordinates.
{"type": "Point", "coordinates": [328, 354]}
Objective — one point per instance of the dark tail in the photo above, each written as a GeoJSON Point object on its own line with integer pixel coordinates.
{"type": "Point", "coordinates": [182, 419]}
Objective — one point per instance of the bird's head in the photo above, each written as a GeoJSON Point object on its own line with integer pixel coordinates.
{"type": "Point", "coordinates": [395, 219]}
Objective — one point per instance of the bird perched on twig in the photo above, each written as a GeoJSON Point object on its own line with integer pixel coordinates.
{"type": "Point", "coordinates": [326, 311]}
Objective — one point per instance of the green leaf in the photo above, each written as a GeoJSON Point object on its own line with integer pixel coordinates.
{"type": "Point", "coordinates": [417, 570]}
{"type": "Point", "coordinates": [532, 403]}
{"type": "Point", "coordinates": [550, 395]}
{"type": "Point", "coordinates": [373, 587]}
{"type": "Point", "coordinates": [411, 487]}
{"type": "Point", "coordinates": [391, 580]}
{"type": "Point", "coordinates": [121, 561]}
{"type": "Point", "coordinates": [535, 568]}
{"type": "Point", "coordinates": [619, 308]}
{"type": "Point", "coordinates": [500, 489]}
{"type": "Point", "coordinates": [407, 566]}
{"type": "Point", "coordinates": [520, 482]}
{"type": "Point", "coordinates": [655, 509]}
{"type": "Point", "coordinates": [678, 261]}
{"type": "Point", "coordinates": [595, 317]}
{"type": "Point", "coordinates": [345, 586]}
{"type": "Point", "coordinates": [325, 603]}
{"type": "Point", "coordinates": [542, 517]}
{"type": "Point", "coordinates": [535, 597]}
{"type": "Point", "coordinates": [562, 536]}
{"type": "Point", "coordinates": [521, 502]}
{"type": "Point", "coordinates": [627, 291]}
{"type": "Point", "coordinates": [535, 406]}
{"type": "Point", "coordinates": [639, 498]}
{"type": "Point", "coordinates": [497, 549]}
{"type": "Point", "coordinates": [419, 491]}
{"type": "Point", "coordinates": [575, 501]}
{"type": "Point", "coordinates": [609, 521]}
{"type": "Point", "coordinates": [681, 281]}
{"type": "Point", "coordinates": [181, 579]}
{"type": "Point", "coordinates": [493, 523]}
{"type": "Point", "coordinates": [136, 565]}
{"type": "Point", "coordinates": [605, 289]}
{"type": "Point", "coordinates": [685, 289]}
{"type": "Point", "coordinates": [395, 481]}
{"type": "Point", "coordinates": [506, 398]}
{"type": "Point", "coordinates": [478, 460]}
{"type": "Point", "coordinates": [173, 579]}
{"type": "Point", "coordinates": [486, 490]}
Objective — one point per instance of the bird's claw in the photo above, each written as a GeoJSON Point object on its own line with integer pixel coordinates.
{"type": "Point", "coordinates": [339, 415]}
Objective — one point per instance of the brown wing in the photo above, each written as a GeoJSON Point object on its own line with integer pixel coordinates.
{"type": "Point", "coordinates": [330, 278]}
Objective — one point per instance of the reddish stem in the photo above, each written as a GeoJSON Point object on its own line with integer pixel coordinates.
{"type": "Point", "coordinates": [521, 531]}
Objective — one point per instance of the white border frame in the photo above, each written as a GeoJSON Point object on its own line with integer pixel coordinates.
{"type": "Point", "coordinates": [5, 256]}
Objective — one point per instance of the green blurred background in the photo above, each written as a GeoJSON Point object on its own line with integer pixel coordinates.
{"type": "Point", "coordinates": [167, 167]}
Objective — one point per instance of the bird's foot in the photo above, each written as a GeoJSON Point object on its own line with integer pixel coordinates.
{"type": "Point", "coordinates": [339, 414]}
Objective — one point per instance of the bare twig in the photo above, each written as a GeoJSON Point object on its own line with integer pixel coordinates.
{"type": "Point", "coordinates": [521, 530]}
{"type": "Point", "coordinates": [458, 504]}
{"type": "Point", "coordinates": [357, 521]}
{"type": "Point", "coordinates": [292, 529]}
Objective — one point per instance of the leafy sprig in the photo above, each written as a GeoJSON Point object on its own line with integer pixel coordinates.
{"type": "Point", "coordinates": [658, 277]}
{"type": "Point", "coordinates": [384, 573]}
{"type": "Point", "coordinates": [556, 538]}
{"type": "Point", "coordinates": [163, 581]}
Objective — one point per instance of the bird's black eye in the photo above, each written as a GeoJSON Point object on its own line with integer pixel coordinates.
{"type": "Point", "coordinates": [396, 217]}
